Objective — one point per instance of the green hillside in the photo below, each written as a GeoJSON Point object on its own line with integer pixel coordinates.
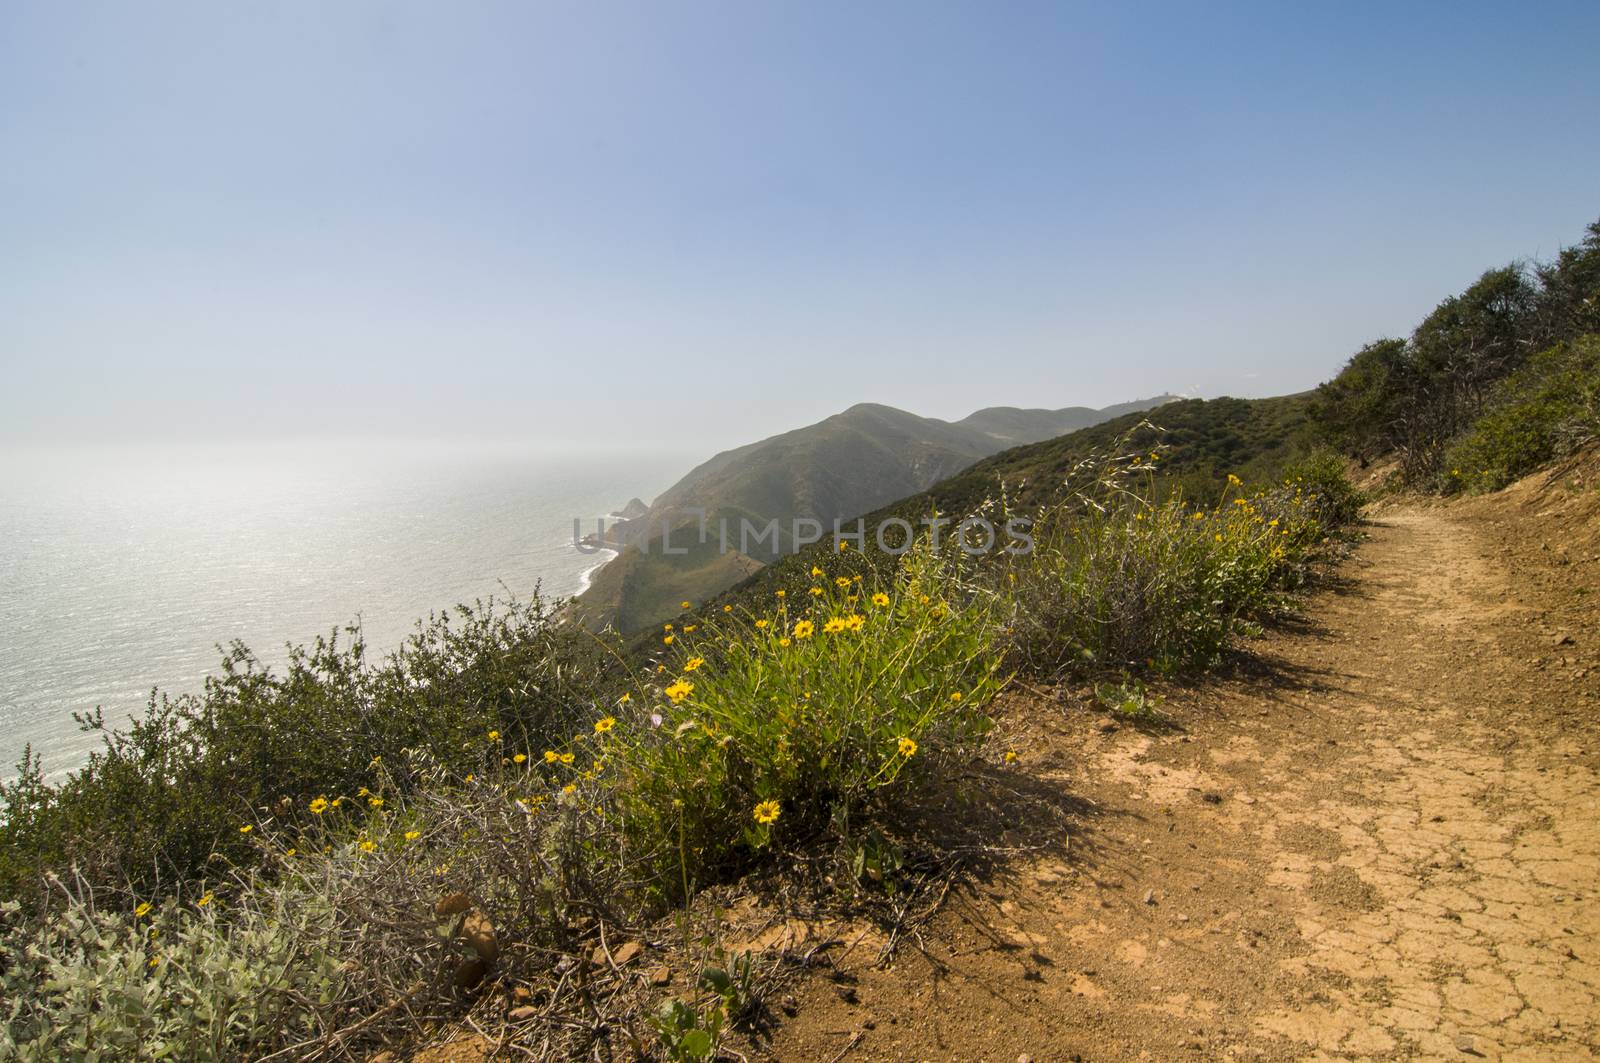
{"type": "Point", "coordinates": [844, 465]}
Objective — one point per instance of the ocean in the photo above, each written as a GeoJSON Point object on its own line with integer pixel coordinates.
{"type": "Point", "coordinates": [123, 570]}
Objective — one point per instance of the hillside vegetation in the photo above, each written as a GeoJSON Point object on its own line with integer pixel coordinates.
{"type": "Point", "coordinates": [837, 468]}
{"type": "Point", "coordinates": [1417, 398]}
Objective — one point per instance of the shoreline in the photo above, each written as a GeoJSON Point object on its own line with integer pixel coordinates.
{"type": "Point", "coordinates": [586, 577]}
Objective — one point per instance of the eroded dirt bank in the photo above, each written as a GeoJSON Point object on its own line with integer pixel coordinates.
{"type": "Point", "coordinates": [1383, 843]}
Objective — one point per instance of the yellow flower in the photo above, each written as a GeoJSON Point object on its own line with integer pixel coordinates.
{"type": "Point", "coordinates": [855, 621]}
{"type": "Point", "coordinates": [375, 761]}
{"type": "Point", "coordinates": [762, 624]}
{"type": "Point", "coordinates": [246, 829]}
{"type": "Point", "coordinates": [143, 910]}
{"type": "Point", "coordinates": [804, 629]}
{"type": "Point", "coordinates": [1219, 537]}
{"type": "Point", "coordinates": [469, 776]}
{"type": "Point", "coordinates": [601, 726]}
{"type": "Point", "coordinates": [551, 756]}
{"type": "Point", "coordinates": [203, 901]}
{"type": "Point", "coordinates": [666, 627]}
{"type": "Point", "coordinates": [816, 570]}
{"type": "Point", "coordinates": [683, 605]}
{"type": "Point", "coordinates": [727, 609]}
{"type": "Point", "coordinates": [667, 641]}
{"type": "Point", "coordinates": [1234, 480]}
{"type": "Point", "coordinates": [955, 695]}
{"type": "Point", "coordinates": [624, 699]}
{"type": "Point", "coordinates": [290, 851]}
{"type": "Point", "coordinates": [680, 690]}
{"type": "Point", "coordinates": [843, 546]}
{"type": "Point", "coordinates": [494, 736]}
{"type": "Point", "coordinates": [689, 627]}
{"type": "Point", "coordinates": [571, 786]}
{"type": "Point", "coordinates": [319, 806]}
{"type": "Point", "coordinates": [816, 592]}
{"type": "Point", "coordinates": [155, 961]}
{"type": "Point", "coordinates": [784, 641]}
{"type": "Point", "coordinates": [375, 802]}
{"type": "Point", "coordinates": [881, 600]}
{"type": "Point", "coordinates": [692, 663]}
{"type": "Point", "coordinates": [519, 758]}
{"type": "Point", "coordinates": [566, 758]}
{"type": "Point", "coordinates": [908, 746]}
{"type": "Point", "coordinates": [363, 792]}
{"type": "Point", "coordinates": [767, 812]}
{"type": "Point", "coordinates": [842, 581]}
{"type": "Point", "coordinates": [1011, 756]}
{"type": "Point", "coordinates": [368, 845]}
{"type": "Point", "coordinates": [413, 835]}
{"type": "Point", "coordinates": [833, 625]}
{"type": "Point", "coordinates": [782, 594]}
{"type": "Point", "coordinates": [336, 802]}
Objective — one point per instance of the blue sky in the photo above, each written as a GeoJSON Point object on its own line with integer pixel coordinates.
{"type": "Point", "coordinates": [708, 222]}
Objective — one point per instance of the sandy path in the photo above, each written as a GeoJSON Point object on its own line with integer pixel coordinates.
{"type": "Point", "coordinates": [1386, 845]}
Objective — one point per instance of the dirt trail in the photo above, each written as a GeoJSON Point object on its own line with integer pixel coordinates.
{"type": "Point", "coordinates": [1385, 844]}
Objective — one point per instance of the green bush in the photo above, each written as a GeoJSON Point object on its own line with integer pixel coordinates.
{"type": "Point", "coordinates": [167, 982]}
{"type": "Point", "coordinates": [1119, 580]}
{"type": "Point", "coordinates": [165, 797]}
{"type": "Point", "coordinates": [1545, 410]}
{"type": "Point", "coordinates": [801, 717]}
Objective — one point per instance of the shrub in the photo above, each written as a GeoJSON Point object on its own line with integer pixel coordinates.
{"type": "Point", "coordinates": [1545, 410]}
{"type": "Point", "coordinates": [780, 723]}
{"type": "Point", "coordinates": [166, 795]}
{"type": "Point", "coordinates": [1119, 581]}
{"type": "Point", "coordinates": [170, 982]}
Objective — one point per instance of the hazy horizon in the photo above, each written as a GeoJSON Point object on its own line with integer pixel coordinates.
{"type": "Point", "coordinates": [627, 223]}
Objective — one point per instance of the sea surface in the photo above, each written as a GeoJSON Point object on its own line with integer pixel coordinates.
{"type": "Point", "coordinates": [124, 569]}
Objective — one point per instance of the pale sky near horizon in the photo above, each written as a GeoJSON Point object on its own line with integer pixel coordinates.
{"type": "Point", "coordinates": [708, 222]}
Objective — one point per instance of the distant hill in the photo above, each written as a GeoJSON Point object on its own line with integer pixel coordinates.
{"type": "Point", "coordinates": [1203, 440]}
{"type": "Point", "coordinates": [838, 468]}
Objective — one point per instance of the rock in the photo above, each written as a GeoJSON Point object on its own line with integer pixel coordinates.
{"type": "Point", "coordinates": [620, 955]}
{"type": "Point", "coordinates": [521, 995]}
{"type": "Point", "coordinates": [790, 1006]}
{"type": "Point", "coordinates": [1211, 798]}
{"type": "Point", "coordinates": [1107, 725]}
{"type": "Point", "coordinates": [452, 904]}
{"type": "Point", "coordinates": [1183, 918]}
{"type": "Point", "coordinates": [522, 1014]}
{"type": "Point", "coordinates": [660, 975]}
{"type": "Point", "coordinates": [1024, 1058]}
{"type": "Point", "coordinates": [1465, 1043]}
{"type": "Point", "coordinates": [847, 993]}
{"type": "Point", "coordinates": [1247, 800]}
{"type": "Point", "coordinates": [1561, 639]}
{"type": "Point", "coordinates": [478, 932]}
{"type": "Point", "coordinates": [1149, 896]}
{"type": "Point", "coordinates": [470, 972]}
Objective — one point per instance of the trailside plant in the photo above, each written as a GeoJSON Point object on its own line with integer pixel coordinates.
{"type": "Point", "coordinates": [774, 725]}
{"type": "Point", "coordinates": [1119, 580]}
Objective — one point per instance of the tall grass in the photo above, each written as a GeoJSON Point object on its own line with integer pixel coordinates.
{"type": "Point", "coordinates": [1123, 578]}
